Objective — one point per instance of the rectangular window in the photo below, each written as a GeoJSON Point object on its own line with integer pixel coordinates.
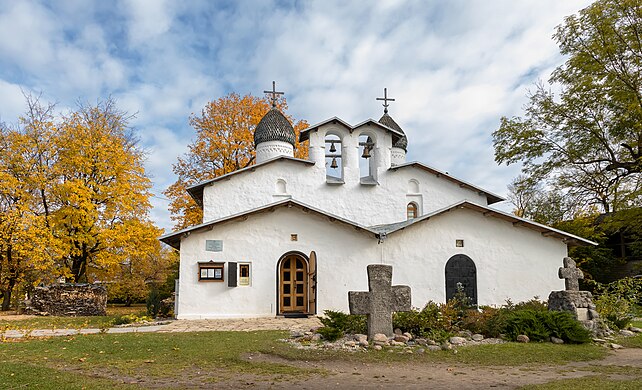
{"type": "Point", "coordinates": [244, 274]}
{"type": "Point", "coordinates": [211, 271]}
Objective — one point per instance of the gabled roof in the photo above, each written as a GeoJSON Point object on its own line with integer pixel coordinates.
{"type": "Point", "coordinates": [174, 239]}
{"type": "Point", "coordinates": [491, 197]}
{"type": "Point", "coordinates": [305, 133]}
{"type": "Point", "coordinates": [196, 191]}
{"type": "Point", "coordinates": [546, 231]}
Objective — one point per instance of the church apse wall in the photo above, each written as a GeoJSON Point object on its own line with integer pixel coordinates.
{"type": "Point", "coordinates": [511, 261]}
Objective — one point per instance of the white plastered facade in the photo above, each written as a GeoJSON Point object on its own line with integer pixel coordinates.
{"type": "Point", "coordinates": [343, 228]}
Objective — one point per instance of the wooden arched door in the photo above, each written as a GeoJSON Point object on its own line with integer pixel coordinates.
{"type": "Point", "coordinates": [461, 269]}
{"type": "Point", "coordinates": [293, 284]}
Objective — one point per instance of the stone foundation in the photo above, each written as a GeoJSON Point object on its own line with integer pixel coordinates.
{"type": "Point", "coordinates": [580, 305]}
{"type": "Point", "coordinates": [69, 300]}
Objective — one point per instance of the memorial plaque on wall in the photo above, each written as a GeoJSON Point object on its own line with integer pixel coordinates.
{"type": "Point", "coordinates": [214, 245]}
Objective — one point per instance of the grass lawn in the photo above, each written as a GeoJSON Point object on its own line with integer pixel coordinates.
{"type": "Point", "coordinates": [122, 359]}
{"type": "Point", "coordinates": [202, 359]}
{"type": "Point", "coordinates": [53, 322]}
{"type": "Point", "coordinates": [588, 383]}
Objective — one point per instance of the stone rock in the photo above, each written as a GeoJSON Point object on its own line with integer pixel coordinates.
{"type": "Point", "coordinates": [522, 338]}
{"type": "Point", "coordinates": [349, 343]}
{"type": "Point", "coordinates": [408, 335]}
{"type": "Point", "coordinates": [477, 337]}
{"type": "Point", "coordinates": [316, 337]}
{"type": "Point", "coordinates": [446, 346]}
{"type": "Point", "coordinates": [465, 334]}
{"type": "Point", "coordinates": [377, 347]}
{"type": "Point", "coordinates": [295, 334]}
{"type": "Point", "coordinates": [397, 343]}
{"type": "Point", "coordinates": [420, 350]}
{"type": "Point", "coordinates": [397, 331]}
{"type": "Point", "coordinates": [596, 340]}
{"type": "Point", "coordinates": [380, 338]}
{"type": "Point", "coordinates": [421, 341]}
{"type": "Point", "coordinates": [634, 329]}
{"type": "Point", "coordinates": [433, 348]}
{"type": "Point", "coordinates": [615, 346]}
{"type": "Point", "coordinates": [401, 338]}
{"type": "Point", "coordinates": [455, 340]}
{"type": "Point", "coordinates": [360, 337]}
{"type": "Point", "coordinates": [555, 340]}
{"type": "Point", "coordinates": [627, 333]}
{"type": "Point", "coordinates": [69, 299]}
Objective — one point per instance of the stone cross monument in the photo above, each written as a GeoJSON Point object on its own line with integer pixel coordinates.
{"type": "Point", "coordinates": [380, 301]}
{"type": "Point", "coordinates": [578, 303]}
{"type": "Point", "coordinates": [571, 274]}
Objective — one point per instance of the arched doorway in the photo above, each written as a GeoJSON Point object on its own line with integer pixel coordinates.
{"type": "Point", "coordinates": [461, 269]}
{"type": "Point", "coordinates": [293, 284]}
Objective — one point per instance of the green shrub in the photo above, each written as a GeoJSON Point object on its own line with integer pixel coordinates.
{"type": "Point", "coordinates": [346, 323]}
{"type": "Point", "coordinates": [617, 302]}
{"type": "Point", "coordinates": [488, 321]}
{"type": "Point", "coordinates": [526, 322]}
{"type": "Point", "coordinates": [541, 325]}
{"type": "Point", "coordinates": [329, 333]}
{"type": "Point", "coordinates": [153, 302]}
{"type": "Point", "coordinates": [564, 326]}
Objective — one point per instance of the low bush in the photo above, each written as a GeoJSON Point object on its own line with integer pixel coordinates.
{"type": "Point", "coordinates": [346, 323]}
{"type": "Point", "coordinates": [541, 325]}
{"type": "Point", "coordinates": [617, 302]}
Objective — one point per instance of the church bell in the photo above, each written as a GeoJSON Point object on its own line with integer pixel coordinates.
{"type": "Point", "coordinates": [332, 148]}
{"type": "Point", "coordinates": [366, 152]}
{"type": "Point", "coordinates": [334, 164]}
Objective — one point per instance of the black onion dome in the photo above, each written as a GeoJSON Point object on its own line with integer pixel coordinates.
{"type": "Point", "coordinates": [274, 126]}
{"type": "Point", "coordinates": [387, 121]}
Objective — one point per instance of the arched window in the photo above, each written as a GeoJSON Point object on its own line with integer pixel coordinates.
{"type": "Point", "coordinates": [367, 160]}
{"type": "Point", "coordinates": [333, 158]}
{"type": "Point", "coordinates": [411, 210]}
{"type": "Point", "coordinates": [281, 187]}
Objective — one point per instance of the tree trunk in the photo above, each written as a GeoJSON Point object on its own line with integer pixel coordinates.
{"type": "Point", "coordinates": [6, 300]}
{"type": "Point", "coordinates": [78, 267]}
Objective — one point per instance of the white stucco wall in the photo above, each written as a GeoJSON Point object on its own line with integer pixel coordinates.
{"type": "Point", "coordinates": [365, 204]}
{"type": "Point", "coordinates": [512, 262]}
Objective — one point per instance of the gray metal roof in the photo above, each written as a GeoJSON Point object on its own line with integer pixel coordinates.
{"type": "Point", "coordinates": [305, 133]}
{"type": "Point", "coordinates": [546, 231]}
{"type": "Point", "coordinates": [196, 191]}
{"type": "Point", "coordinates": [174, 239]}
{"type": "Point", "coordinates": [387, 121]}
{"type": "Point", "coordinates": [274, 126]}
{"type": "Point", "coordinates": [491, 197]}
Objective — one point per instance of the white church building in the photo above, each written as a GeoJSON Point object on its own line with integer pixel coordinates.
{"type": "Point", "coordinates": [288, 236]}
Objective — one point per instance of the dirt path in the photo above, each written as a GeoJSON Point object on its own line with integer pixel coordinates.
{"type": "Point", "coordinates": [624, 364]}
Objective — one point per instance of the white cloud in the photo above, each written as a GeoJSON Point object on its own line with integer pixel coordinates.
{"type": "Point", "coordinates": [454, 67]}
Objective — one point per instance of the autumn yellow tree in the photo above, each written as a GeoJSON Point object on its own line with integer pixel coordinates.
{"type": "Point", "coordinates": [101, 193]}
{"type": "Point", "coordinates": [27, 247]}
{"type": "Point", "coordinates": [148, 263]}
{"type": "Point", "coordinates": [224, 143]}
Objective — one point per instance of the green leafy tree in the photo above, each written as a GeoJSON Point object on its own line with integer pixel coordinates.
{"type": "Point", "coordinates": [587, 138]}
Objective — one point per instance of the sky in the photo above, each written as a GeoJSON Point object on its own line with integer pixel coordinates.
{"type": "Point", "coordinates": [454, 67]}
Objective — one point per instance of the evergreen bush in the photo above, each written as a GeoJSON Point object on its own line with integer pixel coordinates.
{"type": "Point", "coordinates": [541, 325]}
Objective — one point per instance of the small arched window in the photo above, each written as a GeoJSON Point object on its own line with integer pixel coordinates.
{"type": "Point", "coordinates": [333, 159]}
{"type": "Point", "coordinates": [411, 210]}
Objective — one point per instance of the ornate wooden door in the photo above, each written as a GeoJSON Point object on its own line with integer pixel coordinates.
{"type": "Point", "coordinates": [293, 285]}
{"type": "Point", "coordinates": [461, 269]}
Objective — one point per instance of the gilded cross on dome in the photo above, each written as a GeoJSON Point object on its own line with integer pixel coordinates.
{"type": "Point", "coordinates": [386, 99]}
{"type": "Point", "coordinates": [274, 93]}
